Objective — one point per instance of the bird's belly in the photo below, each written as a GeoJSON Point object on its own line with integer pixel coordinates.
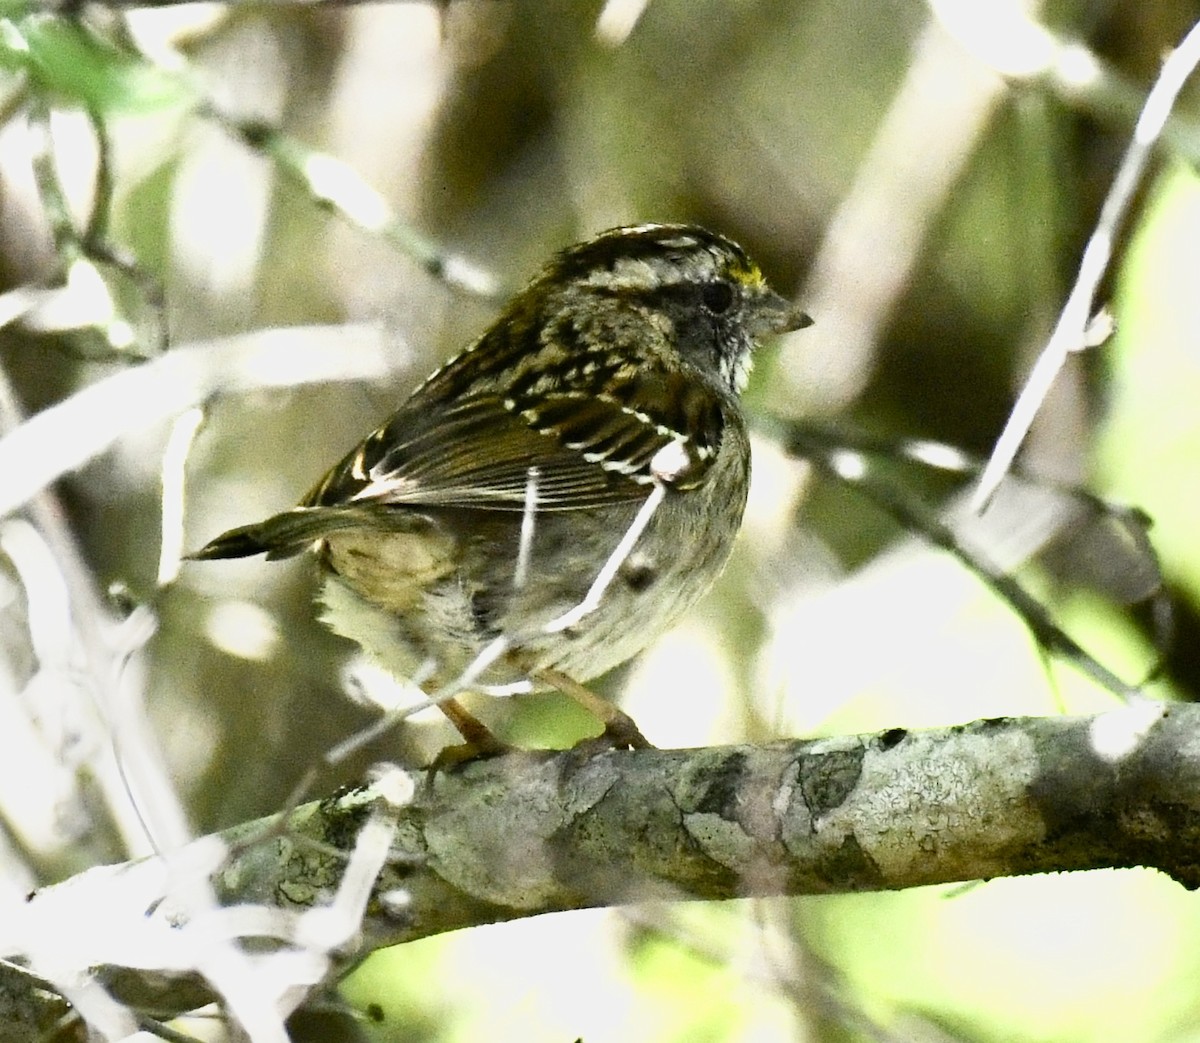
{"type": "Point", "coordinates": [673, 563]}
{"type": "Point", "coordinates": [434, 606]}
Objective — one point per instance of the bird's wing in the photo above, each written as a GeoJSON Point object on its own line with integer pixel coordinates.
{"type": "Point", "coordinates": [563, 450]}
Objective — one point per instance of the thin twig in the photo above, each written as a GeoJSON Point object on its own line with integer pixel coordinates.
{"type": "Point", "coordinates": [103, 187]}
{"type": "Point", "coordinates": [67, 435]}
{"type": "Point", "coordinates": [338, 187]}
{"type": "Point", "coordinates": [1071, 332]}
{"type": "Point", "coordinates": [847, 465]}
{"type": "Point", "coordinates": [174, 466]}
{"type": "Point", "coordinates": [67, 244]}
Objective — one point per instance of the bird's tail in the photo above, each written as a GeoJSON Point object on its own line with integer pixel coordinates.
{"type": "Point", "coordinates": [289, 533]}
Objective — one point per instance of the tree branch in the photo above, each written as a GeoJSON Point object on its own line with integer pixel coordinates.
{"type": "Point", "coordinates": [65, 436]}
{"type": "Point", "coordinates": [537, 832]}
{"type": "Point", "coordinates": [532, 833]}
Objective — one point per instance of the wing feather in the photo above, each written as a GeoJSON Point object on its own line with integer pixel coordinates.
{"type": "Point", "coordinates": [588, 450]}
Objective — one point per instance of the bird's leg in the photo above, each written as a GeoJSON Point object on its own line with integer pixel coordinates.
{"type": "Point", "coordinates": [619, 728]}
{"type": "Point", "coordinates": [480, 742]}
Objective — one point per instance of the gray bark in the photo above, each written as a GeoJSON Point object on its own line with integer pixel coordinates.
{"type": "Point", "coordinates": [530, 833]}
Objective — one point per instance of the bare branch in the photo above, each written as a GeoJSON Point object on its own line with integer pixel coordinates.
{"type": "Point", "coordinates": [338, 186]}
{"type": "Point", "coordinates": [69, 434]}
{"type": "Point", "coordinates": [536, 832]}
{"type": "Point", "coordinates": [1072, 333]}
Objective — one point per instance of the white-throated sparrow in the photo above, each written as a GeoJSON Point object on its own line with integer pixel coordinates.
{"type": "Point", "coordinates": [590, 442]}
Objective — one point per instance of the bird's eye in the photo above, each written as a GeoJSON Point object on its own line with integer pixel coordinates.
{"type": "Point", "coordinates": [717, 296]}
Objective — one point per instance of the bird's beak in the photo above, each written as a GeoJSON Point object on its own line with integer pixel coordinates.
{"type": "Point", "coordinates": [772, 314]}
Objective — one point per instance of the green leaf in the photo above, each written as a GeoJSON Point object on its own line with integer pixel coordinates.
{"type": "Point", "coordinates": [70, 61]}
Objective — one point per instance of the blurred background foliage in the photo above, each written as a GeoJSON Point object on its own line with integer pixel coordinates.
{"type": "Point", "coordinates": [921, 177]}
